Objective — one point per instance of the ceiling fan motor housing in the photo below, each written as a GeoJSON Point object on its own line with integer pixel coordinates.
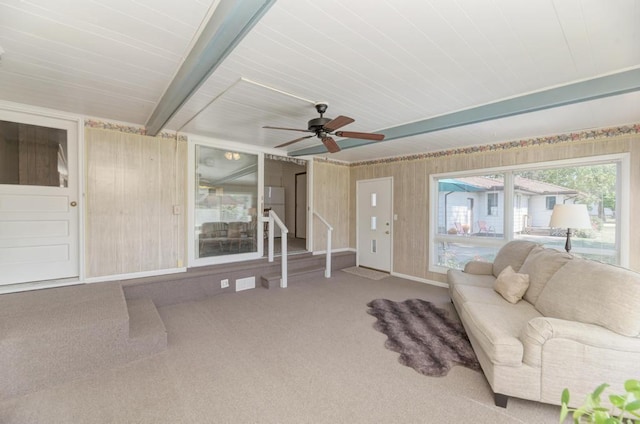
{"type": "Point", "coordinates": [316, 124]}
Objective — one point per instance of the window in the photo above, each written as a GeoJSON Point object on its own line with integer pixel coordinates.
{"type": "Point", "coordinates": [492, 204]}
{"type": "Point", "coordinates": [33, 155]}
{"type": "Point", "coordinates": [519, 202]}
{"type": "Point", "coordinates": [551, 202]}
{"type": "Point", "coordinates": [226, 202]}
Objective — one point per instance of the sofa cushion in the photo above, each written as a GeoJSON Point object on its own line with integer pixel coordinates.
{"type": "Point", "coordinates": [496, 327]}
{"type": "Point", "coordinates": [455, 277]}
{"type": "Point", "coordinates": [594, 293]}
{"type": "Point", "coordinates": [479, 268]}
{"type": "Point", "coordinates": [511, 285]}
{"type": "Point", "coordinates": [513, 253]}
{"type": "Point", "coordinates": [461, 293]}
{"type": "Point", "coordinates": [541, 264]}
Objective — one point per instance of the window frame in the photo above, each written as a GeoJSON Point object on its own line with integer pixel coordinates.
{"type": "Point", "coordinates": [490, 205]}
{"type": "Point", "coordinates": [622, 203]}
{"type": "Point", "coordinates": [547, 200]}
{"type": "Point", "coordinates": [192, 259]}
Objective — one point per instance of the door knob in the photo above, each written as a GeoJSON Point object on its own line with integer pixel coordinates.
{"type": "Point", "coordinates": [73, 204]}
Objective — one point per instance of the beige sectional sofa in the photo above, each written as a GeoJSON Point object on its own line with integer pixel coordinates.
{"type": "Point", "coordinates": [577, 325]}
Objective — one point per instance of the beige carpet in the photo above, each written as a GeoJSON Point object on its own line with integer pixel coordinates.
{"type": "Point", "coordinates": [371, 274]}
{"type": "Point", "coordinates": [305, 354]}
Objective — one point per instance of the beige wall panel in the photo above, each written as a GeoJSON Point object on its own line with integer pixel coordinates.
{"type": "Point", "coordinates": [634, 205]}
{"type": "Point", "coordinates": [331, 200]}
{"type": "Point", "coordinates": [273, 173]}
{"type": "Point", "coordinates": [411, 196]}
{"type": "Point", "coordinates": [102, 213]}
{"type": "Point", "coordinates": [133, 182]}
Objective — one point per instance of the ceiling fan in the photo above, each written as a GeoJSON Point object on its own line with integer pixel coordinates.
{"type": "Point", "coordinates": [324, 128]}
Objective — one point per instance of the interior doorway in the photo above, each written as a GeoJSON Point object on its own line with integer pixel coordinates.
{"type": "Point", "coordinates": [283, 175]}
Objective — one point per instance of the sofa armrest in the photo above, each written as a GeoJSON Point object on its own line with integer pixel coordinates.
{"type": "Point", "coordinates": [541, 330]}
{"type": "Point", "coordinates": [479, 268]}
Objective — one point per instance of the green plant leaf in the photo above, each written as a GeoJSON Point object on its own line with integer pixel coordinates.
{"type": "Point", "coordinates": [598, 391]}
{"type": "Point", "coordinates": [565, 396]}
{"type": "Point", "coordinates": [632, 406]}
{"type": "Point", "coordinates": [601, 416]}
{"type": "Point", "coordinates": [618, 400]}
{"type": "Point", "coordinates": [564, 411]}
{"type": "Point", "coordinates": [577, 414]}
{"type": "Point", "coordinates": [631, 385]}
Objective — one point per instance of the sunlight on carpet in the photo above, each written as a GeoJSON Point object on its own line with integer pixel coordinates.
{"type": "Point", "coordinates": [366, 273]}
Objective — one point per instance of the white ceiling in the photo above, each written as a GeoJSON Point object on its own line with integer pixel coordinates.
{"type": "Point", "coordinates": [383, 63]}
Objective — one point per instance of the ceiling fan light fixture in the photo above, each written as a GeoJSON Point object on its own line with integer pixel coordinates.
{"type": "Point", "coordinates": [232, 155]}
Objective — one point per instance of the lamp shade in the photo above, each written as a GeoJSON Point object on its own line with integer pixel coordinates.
{"type": "Point", "coordinates": [570, 216]}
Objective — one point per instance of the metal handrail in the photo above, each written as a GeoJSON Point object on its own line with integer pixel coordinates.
{"type": "Point", "coordinates": [274, 219]}
{"type": "Point", "coordinates": [327, 269]}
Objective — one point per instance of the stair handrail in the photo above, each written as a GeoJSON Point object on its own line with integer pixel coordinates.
{"type": "Point", "coordinates": [327, 269]}
{"type": "Point", "coordinates": [274, 219]}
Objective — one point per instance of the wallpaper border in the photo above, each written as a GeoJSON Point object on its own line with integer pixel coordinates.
{"type": "Point", "coordinates": [602, 133]}
{"type": "Point", "coordinates": [130, 129]}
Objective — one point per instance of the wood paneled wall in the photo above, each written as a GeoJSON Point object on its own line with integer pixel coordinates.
{"type": "Point", "coordinates": [411, 199]}
{"type": "Point", "coordinates": [134, 181]}
{"type": "Point", "coordinates": [331, 199]}
{"type": "Point", "coordinates": [132, 185]}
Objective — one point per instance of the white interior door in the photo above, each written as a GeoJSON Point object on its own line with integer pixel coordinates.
{"type": "Point", "coordinates": [301, 205]}
{"type": "Point", "coordinates": [38, 199]}
{"type": "Point", "coordinates": [374, 223]}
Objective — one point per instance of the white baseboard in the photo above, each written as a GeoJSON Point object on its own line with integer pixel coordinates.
{"type": "Point", "coordinates": [420, 280]}
{"type": "Point", "coordinates": [132, 275]}
{"type": "Point", "coordinates": [342, 249]}
{"type": "Point", "coordinates": [38, 285]}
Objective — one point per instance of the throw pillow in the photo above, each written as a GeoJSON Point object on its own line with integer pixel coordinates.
{"type": "Point", "coordinates": [511, 285]}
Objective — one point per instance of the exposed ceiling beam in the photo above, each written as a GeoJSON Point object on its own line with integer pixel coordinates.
{"type": "Point", "coordinates": [248, 170]}
{"type": "Point", "coordinates": [230, 22]}
{"type": "Point", "coordinates": [592, 89]}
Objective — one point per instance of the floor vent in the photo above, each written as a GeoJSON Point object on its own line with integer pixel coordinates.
{"type": "Point", "coordinates": [245, 283]}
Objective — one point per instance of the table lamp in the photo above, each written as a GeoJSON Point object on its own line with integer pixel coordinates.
{"type": "Point", "coordinates": [570, 216]}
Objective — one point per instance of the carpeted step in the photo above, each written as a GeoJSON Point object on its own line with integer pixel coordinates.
{"type": "Point", "coordinates": [147, 333]}
{"type": "Point", "coordinates": [300, 274]}
{"type": "Point", "coordinates": [55, 335]}
{"type": "Point", "coordinates": [59, 334]}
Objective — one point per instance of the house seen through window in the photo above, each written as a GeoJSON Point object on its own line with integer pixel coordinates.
{"type": "Point", "coordinates": [478, 213]}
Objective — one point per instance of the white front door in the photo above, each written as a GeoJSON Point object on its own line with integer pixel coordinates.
{"type": "Point", "coordinates": [38, 198]}
{"type": "Point", "coordinates": [374, 223]}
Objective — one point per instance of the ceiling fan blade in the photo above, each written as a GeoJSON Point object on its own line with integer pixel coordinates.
{"type": "Point", "coordinates": [294, 141]}
{"type": "Point", "coordinates": [338, 122]}
{"type": "Point", "coordinates": [330, 144]}
{"type": "Point", "coordinates": [364, 136]}
{"type": "Point", "coordinates": [286, 129]}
